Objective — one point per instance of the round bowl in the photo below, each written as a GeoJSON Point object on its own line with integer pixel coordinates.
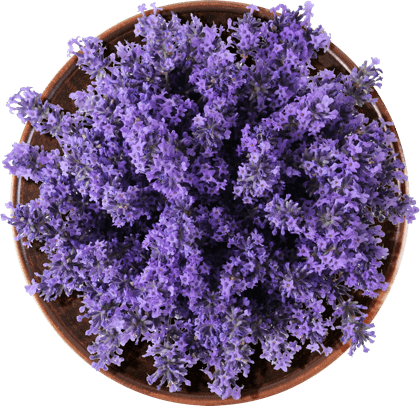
{"type": "Point", "coordinates": [263, 380]}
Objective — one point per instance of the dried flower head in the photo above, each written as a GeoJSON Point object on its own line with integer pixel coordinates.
{"type": "Point", "coordinates": [211, 194]}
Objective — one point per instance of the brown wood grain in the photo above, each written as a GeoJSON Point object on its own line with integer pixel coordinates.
{"type": "Point", "coordinates": [263, 380]}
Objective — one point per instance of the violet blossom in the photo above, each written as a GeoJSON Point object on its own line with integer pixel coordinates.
{"type": "Point", "coordinates": [211, 194]}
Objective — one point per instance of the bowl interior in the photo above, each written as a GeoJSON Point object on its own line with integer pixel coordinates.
{"type": "Point", "coordinates": [263, 380]}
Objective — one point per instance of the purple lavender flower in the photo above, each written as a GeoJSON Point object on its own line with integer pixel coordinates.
{"type": "Point", "coordinates": [210, 194]}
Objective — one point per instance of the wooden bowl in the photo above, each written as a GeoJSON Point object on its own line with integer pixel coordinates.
{"type": "Point", "coordinates": [263, 380]}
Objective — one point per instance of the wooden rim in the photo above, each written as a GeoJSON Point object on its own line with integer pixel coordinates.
{"type": "Point", "coordinates": [291, 380]}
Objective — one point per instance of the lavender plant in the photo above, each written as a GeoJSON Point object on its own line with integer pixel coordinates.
{"type": "Point", "coordinates": [209, 195]}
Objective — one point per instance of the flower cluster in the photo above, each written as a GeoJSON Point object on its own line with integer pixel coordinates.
{"type": "Point", "coordinates": [212, 194]}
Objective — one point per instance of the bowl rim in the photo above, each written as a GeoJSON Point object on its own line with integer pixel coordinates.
{"type": "Point", "coordinates": [290, 380]}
